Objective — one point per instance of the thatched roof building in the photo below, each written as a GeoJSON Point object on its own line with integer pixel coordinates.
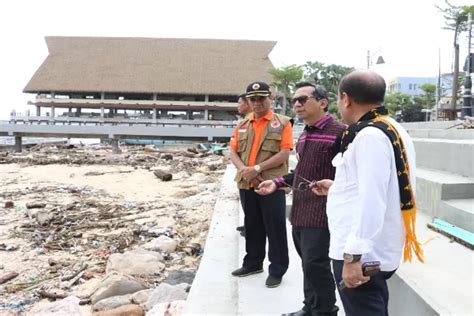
{"type": "Point", "coordinates": [147, 73]}
{"type": "Point", "coordinates": [151, 65]}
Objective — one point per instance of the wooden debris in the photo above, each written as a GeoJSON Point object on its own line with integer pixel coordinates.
{"type": "Point", "coordinates": [7, 276]}
{"type": "Point", "coordinates": [164, 176]}
{"type": "Point", "coordinates": [35, 205]}
{"type": "Point", "coordinates": [192, 150]}
{"type": "Point", "coordinates": [9, 204]}
{"type": "Point", "coordinates": [53, 294]}
{"type": "Point", "coordinates": [167, 157]}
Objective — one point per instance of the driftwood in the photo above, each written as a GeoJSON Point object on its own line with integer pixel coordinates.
{"type": "Point", "coordinates": [9, 204]}
{"type": "Point", "coordinates": [193, 150]}
{"type": "Point", "coordinates": [167, 157]}
{"type": "Point", "coordinates": [8, 276]}
{"type": "Point", "coordinates": [53, 294]}
{"type": "Point", "coordinates": [35, 205]}
{"type": "Point", "coordinates": [188, 155]}
{"type": "Point", "coordinates": [74, 274]}
{"type": "Point", "coordinates": [74, 280]}
{"type": "Point", "coordinates": [164, 176]}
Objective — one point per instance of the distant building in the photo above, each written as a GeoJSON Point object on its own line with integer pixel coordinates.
{"type": "Point", "coordinates": [409, 85]}
{"type": "Point", "coordinates": [147, 77]}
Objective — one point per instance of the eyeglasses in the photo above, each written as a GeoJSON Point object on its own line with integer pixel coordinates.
{"type": "Point", "coordinates": [302, 99]}
{"type": "Point", "coordinates": [305, 185]}
{"type": "Point", "coordinates": [257, 99]}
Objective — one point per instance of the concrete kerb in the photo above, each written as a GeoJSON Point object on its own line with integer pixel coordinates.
{"type": "Point", "coordinates": [214, 291]}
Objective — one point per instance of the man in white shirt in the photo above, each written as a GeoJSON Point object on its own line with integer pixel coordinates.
{"type": "Point", "coordinates": [375, 174]}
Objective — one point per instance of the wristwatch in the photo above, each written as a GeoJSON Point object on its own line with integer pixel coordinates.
{"type": "Point", "coordinates": [257, 168]}
{"type": "Point", "coordinates": [348, 258]}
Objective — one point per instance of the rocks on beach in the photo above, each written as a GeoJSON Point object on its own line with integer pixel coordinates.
{"type": "Point", "coordinates": [92, 231]}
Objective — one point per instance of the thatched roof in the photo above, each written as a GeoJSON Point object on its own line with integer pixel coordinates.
{"type": "Point", "coordinates": [151, 65]}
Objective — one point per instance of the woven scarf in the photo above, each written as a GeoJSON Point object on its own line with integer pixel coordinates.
{"type": "Point", "coordinates": [377, 117]}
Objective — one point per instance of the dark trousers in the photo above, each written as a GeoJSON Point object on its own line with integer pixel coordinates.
{"type": "Point", "coordinates": [369, 299]}
{"type": "Point", "coordinates": [312, 244]}
{"type": "Point", "coordinates": [265, 217]}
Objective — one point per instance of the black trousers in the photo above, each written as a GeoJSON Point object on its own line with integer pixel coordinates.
{"type": "Point", "coordinates": [265, 217]}
{"type": "Point", "coordinates": [369, 299]}
{"type": "Point", "coordinates": [312, 244]}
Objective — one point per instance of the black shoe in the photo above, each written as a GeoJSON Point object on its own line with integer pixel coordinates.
{"type": "Point", "coordinates": [241, 272]}
{"type": "Point", "coordinates": [240, 228]}
{"type": "Point", "coordinates": [301, 312]}
{"type": "Point", "coordinates": [272, 281]}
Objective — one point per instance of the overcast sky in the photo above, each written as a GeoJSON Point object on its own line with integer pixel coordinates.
{"type": "Point", "coordinates": [407, 33]}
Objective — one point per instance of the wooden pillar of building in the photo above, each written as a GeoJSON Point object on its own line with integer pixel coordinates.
{"type": "Point", "coordinates": [53, 112]}
{"type": "Point", "coordinates": [38, 110]}
{"type": "Point", "coordinates": [18, 142]}
{"type": "Point", "coordinates": [206, 114]}
{"type": "Point", "coordinates": [102, 112]}
{"type": "Point", "coordinates": [155, 113]}
{"type": "Point", "coordinates": [69, 112]}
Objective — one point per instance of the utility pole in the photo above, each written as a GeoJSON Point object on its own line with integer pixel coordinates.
{"type": "Point", "coordinates": [368, 59]}
{"type": "Point", "coordinates": [466, 107]}
{"type": "Point", "coordinates": [438, 86]}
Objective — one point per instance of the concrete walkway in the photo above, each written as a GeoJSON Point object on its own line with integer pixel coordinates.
{"type": "Point", "coordinates": [216, 292]}
{"type": "Point", "coordinates": [440, 286]}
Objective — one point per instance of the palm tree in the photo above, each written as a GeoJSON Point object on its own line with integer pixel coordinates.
{"type": "Point", "coordinates": [327, 76]}
{"type": "Point", "coordinates": [284, 80]}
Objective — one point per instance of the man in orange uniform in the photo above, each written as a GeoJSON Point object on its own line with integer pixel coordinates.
{"type": "Point", "coordinates": [260, 149]}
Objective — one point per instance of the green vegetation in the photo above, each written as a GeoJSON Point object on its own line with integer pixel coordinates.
{"type": "Point", "coordinates": [285, 78]}
{"type": "Point", "coordinates": [456, 18]}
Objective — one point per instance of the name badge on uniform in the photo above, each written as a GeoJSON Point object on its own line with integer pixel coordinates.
{"type": "Point", "coordinates": [242, 130]}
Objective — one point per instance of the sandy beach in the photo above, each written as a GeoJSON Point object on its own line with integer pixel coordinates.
{"type": "Point", "coordinates": [65, 210]}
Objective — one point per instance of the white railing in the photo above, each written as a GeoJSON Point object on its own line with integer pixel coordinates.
{"type": "Point", "coordinates": [117, 121]}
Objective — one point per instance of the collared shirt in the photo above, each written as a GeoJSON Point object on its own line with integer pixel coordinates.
{"type": "Point", "coordinates": [315, 150]}
{"type": "Point", "coordinates": [364, 201]}
{"type": "Point", "coordinates": [259, 126]}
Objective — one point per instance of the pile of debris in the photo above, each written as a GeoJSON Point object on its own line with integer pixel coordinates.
{"type": "Point", "coordinates": [136, 156]}
{"type": "Point", "coordinates": [76, 249]}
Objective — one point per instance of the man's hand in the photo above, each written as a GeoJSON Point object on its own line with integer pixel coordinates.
{"type": "Point", "coordinates": [322, 187]}
{"type": "Point", "coordinates": [266, 187]}
{"type": "Point", "coordinates": [248, 173]}
{"type": "Point", "coordinates": [352, 274]}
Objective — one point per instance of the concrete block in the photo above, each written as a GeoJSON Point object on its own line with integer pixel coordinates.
{"type": "Point", "coordinates": [467, 134]}
{"type": "Point", "coordinates": [404, 300]}
{"type": "Point", "coordinates": [429, 125]}
{"type": "Point", "coordinates": [459, 212]}
{"type": "Point", "coordinates": [434, 186]}
{"type": "Point", "coordinates": [455, 156]}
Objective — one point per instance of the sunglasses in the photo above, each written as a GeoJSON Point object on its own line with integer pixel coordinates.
{"type": "Point", "coordinates": [302, 99]}
{"type": "Point", "coordinates": [304, 185]}
{"type": "Point", "coordinates": [256, 99]}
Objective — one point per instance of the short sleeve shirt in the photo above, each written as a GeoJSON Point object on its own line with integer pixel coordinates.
{"type": "Point", "coordinates": [259, 126]}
